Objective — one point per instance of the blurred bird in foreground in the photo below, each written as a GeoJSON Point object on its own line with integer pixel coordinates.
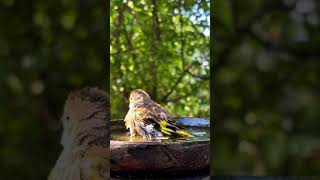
{"type": "Point", "coordinates": [85, 137]}
{"type": "Point", "coordinates": [148, 119]}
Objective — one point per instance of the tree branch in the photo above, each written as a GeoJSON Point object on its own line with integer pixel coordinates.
{"type": "Point", "coordinates": [181, 36]}
{"type": "Point", "coordinates": [156, 42]}
{"type": "Point", "coordinates": [185, 72]}
{"type": "Point", "coordinates": [128, 39]}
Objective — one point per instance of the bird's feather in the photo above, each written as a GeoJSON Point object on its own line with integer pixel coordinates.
{"type": "Point", "coordinates": [147, 118]}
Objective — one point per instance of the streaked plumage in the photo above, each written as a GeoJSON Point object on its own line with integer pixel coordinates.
{"type": "Point", "coordinates": [148, 119]}
{"type": "Point", "coordinates": [85, 137]}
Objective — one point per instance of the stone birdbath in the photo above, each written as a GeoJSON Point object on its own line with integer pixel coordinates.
{"type": "Point", "coordinates": [138, 156]}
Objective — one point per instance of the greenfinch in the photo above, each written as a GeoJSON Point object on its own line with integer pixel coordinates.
{"type": "Point", "coordinates": [148, 119]}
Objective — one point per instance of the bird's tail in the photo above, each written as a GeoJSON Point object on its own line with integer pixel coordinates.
{"type": "Point", "coordinates": [169, 129]}
{"type": "Point", "coordinates": [183, 133]}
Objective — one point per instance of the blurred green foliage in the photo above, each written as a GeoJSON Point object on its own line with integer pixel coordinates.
{"type": "Point", "coordinates": [161, 47]}
{"type": "Point", "coordinates": [47, 49]}
{"type": "Point", "coordinates": [266, 96]}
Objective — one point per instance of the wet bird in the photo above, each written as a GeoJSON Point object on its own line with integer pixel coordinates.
{"type": "Point", "coordinates": [85, 137]}
{"type": "Point", "coordinates": [148, 119]}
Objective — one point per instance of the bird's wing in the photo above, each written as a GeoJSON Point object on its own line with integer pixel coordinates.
{"type": "Point", "coordinates": [153, 113]}
{"type": "Point", "coordinates": [163, 114]}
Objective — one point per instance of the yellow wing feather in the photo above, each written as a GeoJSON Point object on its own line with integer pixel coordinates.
{"type": "Point", "coordinates": [158, 115]}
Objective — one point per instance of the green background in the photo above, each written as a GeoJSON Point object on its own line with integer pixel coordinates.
{"type": "Point", "coordinates": [161, 47]}
{"type": "Point", "coordinates": [266, 78]}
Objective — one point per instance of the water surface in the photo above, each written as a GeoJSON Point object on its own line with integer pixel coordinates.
{"type": "Point", "coordinates": [199, 134]}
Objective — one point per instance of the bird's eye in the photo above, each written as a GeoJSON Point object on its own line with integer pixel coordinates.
{"type": "Point", "coordinates": [67, 117]}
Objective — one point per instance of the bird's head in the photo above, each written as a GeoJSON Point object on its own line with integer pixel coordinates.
{"type": "Point", "coordinates": [138, 95]}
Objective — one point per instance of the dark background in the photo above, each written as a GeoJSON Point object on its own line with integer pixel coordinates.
{"type": "Point", "coordinates": [47, 49]}
{"type": "Point", "coordinates": [265, 79]}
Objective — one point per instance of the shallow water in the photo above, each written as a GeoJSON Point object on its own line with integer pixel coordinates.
{"type": "Point", "coordinates": [199, 134]}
